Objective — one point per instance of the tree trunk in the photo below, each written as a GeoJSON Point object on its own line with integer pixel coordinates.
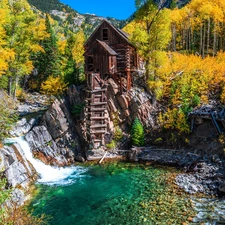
{"type": "Point", "coordinates": [200, 47]}
{"type": "Point", "coordinates": [183, 39]}
{"type": "Point", "coordinates": [15, 88]}
{"type": "Point", "coordinates": [189, 38]}
{"type": "Point", "coordinates": [214, 40]}
{"type": "Point", "coordinates": [208, 35]}
{"type": "Point", "coordinates": [9, 85]}
{"type": "Point", "coordinates": [203, 41]}
{"type": "Point", "coordinates": [173, 45]}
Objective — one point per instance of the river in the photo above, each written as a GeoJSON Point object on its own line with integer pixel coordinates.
{"type": "Point", "coordinates": [117, 193]}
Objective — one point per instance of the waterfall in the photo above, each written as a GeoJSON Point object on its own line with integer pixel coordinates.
{"type": "Point", "coordinates": [48, 174]}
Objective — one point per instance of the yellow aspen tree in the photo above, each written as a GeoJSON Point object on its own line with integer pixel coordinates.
{"type": "Point", "coordinates": [5, 52]}
{"type": "Point", "coordinates": [78, 49]}
{"type": "Point", "coordinates": [21, 29]}
{"type": "Point", "coordinates": [53, 86]}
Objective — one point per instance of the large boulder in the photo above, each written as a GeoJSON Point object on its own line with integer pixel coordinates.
{"type": "Point", "coordinates": [22, 127]}
{"type": "Point", "coordinates": [56, 120]}
{"type": "Point", "coordinates": [47, 149]}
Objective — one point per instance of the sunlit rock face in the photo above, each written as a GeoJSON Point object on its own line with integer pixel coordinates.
{"type": "Point", "coordinates": [22, 127]}
{"type": "Point", "coordinates": [125, 107]}
{"type": "Point", "coordinates": [54, 141]}
{"type": "Point", "coordinates": [47, 149]}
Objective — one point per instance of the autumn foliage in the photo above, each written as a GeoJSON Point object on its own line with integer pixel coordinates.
{"type": "Point", "coordinates": [184, 54]}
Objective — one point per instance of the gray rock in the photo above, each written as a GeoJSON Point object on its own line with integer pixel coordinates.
{"type": "Point", "coordinates": [16, 167]}
{"type": "Point", "coordinates": [38, 137]}
{"type": "Point", "coordinates": [18, 172]}
{"type": "Point", "coordinates": [222, 188]}
{"type": "Point", "coordinates": [79, 158]}
{"type": "Point", "coordinates": [22, 127]}
{"type": "Point", "coordinates": [45, 148]}
{"type": "Point", "coordinates": [55, 120]}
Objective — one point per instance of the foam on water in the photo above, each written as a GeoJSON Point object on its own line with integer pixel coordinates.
{"type": "Point", "coordinates": [48, 174]}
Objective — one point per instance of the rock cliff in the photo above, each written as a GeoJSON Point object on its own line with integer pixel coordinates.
{"type": "Point", "coordinates": [124, 108]}
{"type": "Point", "coordinates": [54, 140]}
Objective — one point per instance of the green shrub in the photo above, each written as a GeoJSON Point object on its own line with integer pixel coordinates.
{"type": "Point", "coordinates": [118, 134]}
{"type": "Point", "coordinates": [137, 133]}
{"type": "Point", "coordinates": [111, 145]}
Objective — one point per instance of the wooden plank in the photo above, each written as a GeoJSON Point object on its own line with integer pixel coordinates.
{"type": "Point", "coordinates": [97, 90]}
{"type": "Point", "coordinates": [90, 113]}
{"type": "Point", "coordinates": [103, 157]}
{"type": "Point", "coordinates": [97, 109]}
{"type": "Point", "coordinates": [98, 118]}
{"type": "Point", "coordinates": [97, 140]}
{"type": "Point", "coordinates": [99, 103]}
{"type": "Point", "coordinates": [98, 125]}
{"type": "Point", "coordinates": [97, 131]}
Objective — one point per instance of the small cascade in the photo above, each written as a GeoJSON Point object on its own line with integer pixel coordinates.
{"type": "Point", "coordinates": [48, 174]}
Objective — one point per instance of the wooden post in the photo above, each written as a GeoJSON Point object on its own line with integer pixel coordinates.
{"type": "Point", "coordinates": [128, 80]}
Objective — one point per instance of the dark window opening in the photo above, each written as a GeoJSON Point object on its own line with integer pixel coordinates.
{"type": "Point", "coordinates": [90, 63]}
{"type": "Point", "coordinates": [105, 34]}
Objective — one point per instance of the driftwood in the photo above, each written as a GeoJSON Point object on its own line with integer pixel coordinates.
{"type": "Point", "coordinates": [100, 161]}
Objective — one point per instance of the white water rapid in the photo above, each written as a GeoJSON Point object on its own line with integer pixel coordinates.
{"type": "Point", "coordinates": [48, 174]}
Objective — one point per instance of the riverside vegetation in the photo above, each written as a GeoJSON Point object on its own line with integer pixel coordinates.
{"type": "Point", "coordinates": [183, 49]}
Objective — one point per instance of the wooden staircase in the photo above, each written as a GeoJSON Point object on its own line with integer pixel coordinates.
{"type": "Point", "coordinates": [95, 111]}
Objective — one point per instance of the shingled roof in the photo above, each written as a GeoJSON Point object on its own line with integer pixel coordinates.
{"type": "Point", "coordinates": [107, 48]}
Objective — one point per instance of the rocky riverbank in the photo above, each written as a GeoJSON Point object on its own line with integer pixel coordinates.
{"type": "Point", "coordinates": [201, 173]}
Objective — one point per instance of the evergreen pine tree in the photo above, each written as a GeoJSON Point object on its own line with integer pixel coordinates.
{"type": "Point", "coordinates": [173, 4]}
{"type": "Point", "coordinates": [137, 133]}
{"type": "Point", "coordinates": [48, 62]}
{"type": "Point", "coordinates": [70, 70]}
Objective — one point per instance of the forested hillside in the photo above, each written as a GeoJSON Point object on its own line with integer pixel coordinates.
{"type": "Point", "coordinates": [47, 6]}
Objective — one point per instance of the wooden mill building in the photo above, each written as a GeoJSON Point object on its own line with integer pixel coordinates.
{"type": "Point", "coordinates": [108, 54]}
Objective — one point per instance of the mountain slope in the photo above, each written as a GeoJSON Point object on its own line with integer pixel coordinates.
{"type": "Point", "coordinates": [47, 6]}
{"type": "Point", "coordinates": [68, 17]}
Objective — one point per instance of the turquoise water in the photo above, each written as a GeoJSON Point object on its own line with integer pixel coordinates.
{"type": "Point", "coordinates": [118, 193]}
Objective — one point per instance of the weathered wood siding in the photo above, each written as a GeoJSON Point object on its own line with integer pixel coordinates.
{"type": "Point", "coordinates": [100, 59]}
{"type": "Point", "coordinates": [113, 36]}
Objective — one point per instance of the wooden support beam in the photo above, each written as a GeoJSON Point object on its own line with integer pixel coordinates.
{"type": "Point", "coordinates": [215, 124]}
